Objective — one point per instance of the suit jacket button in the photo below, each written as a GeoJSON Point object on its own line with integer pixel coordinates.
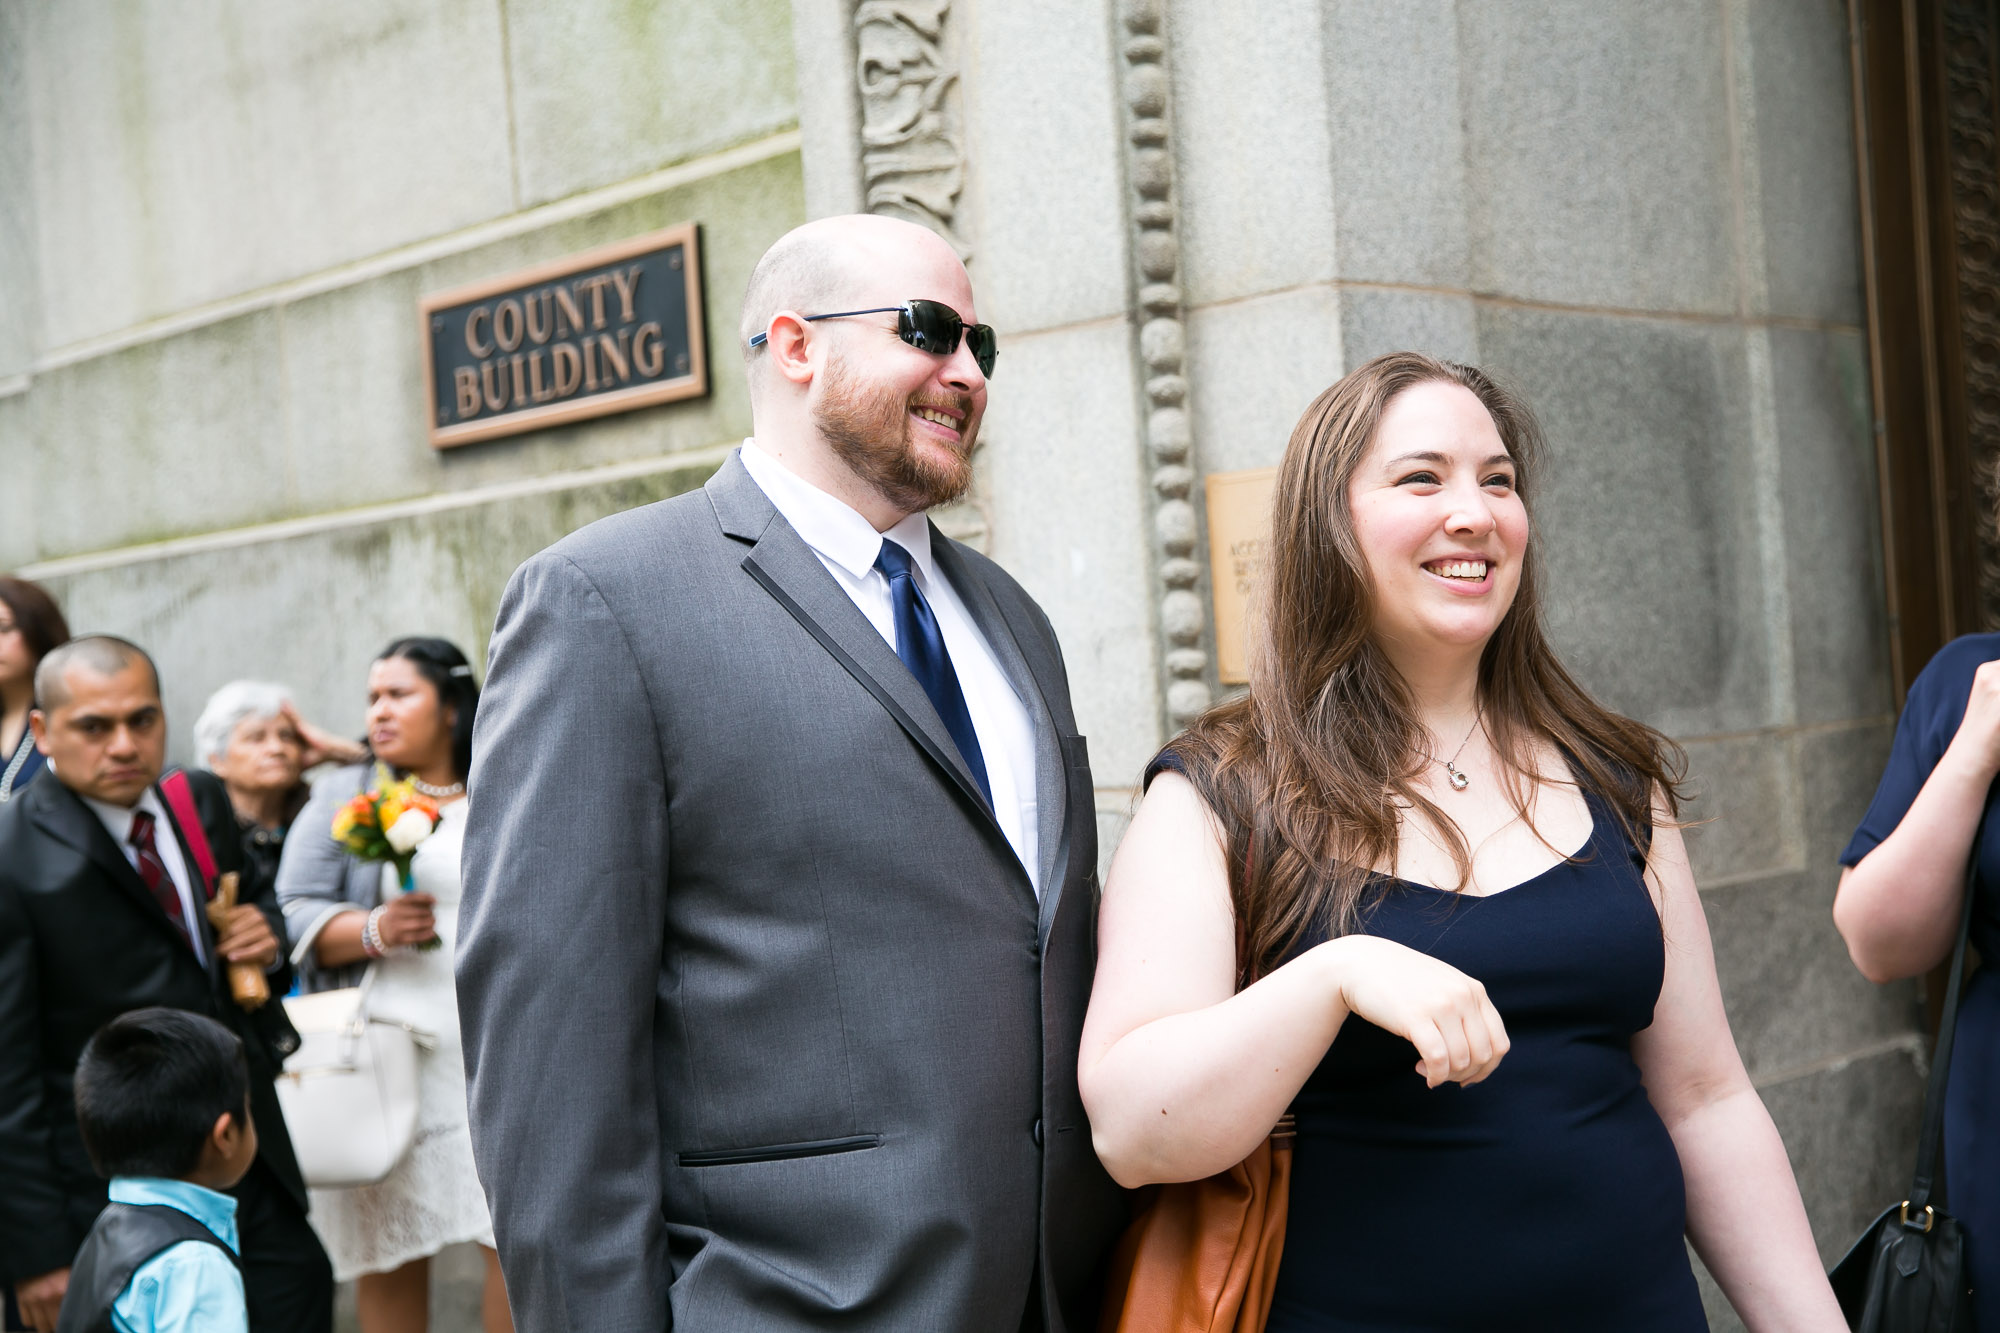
{"type": "Point", "coordinates": [1037, 1132]}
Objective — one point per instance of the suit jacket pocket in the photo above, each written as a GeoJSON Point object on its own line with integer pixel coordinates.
{"type": "Point", "coordinates": [779, 1152]}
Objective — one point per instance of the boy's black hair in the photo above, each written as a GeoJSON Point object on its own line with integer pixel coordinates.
{"type": "Point", "coordinates": [149, 1087]}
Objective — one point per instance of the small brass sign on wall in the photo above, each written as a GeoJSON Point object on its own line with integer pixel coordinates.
{"type": "Point", "coordinates": [1239, 530]}
{"type": "Point", "coordinates": [604, 331]}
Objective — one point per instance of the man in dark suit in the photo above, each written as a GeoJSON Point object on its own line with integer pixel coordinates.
{"type": "Point", "coordinates": [102, 910]}
{"type": "Point", "coordinates": [776, 936]}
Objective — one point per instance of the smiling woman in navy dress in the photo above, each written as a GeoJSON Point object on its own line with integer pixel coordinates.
{"type": "Point", "coordinates": [1899, 903]}
{"type": "Point", "coordinates": [1478, 970]}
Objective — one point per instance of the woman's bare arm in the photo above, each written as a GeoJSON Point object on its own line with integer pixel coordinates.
{"type": "Point", "coordinates": [1181, 1075]}
{"type": "Point", "coordinates": [1743, 1209]}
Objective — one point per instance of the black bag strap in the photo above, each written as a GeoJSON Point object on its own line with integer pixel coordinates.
{"type": "Point", "coordinates": [1932, 1138]}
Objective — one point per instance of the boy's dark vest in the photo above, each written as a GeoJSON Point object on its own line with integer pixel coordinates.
{"type": "Point", "coordinates": [125, 1237]}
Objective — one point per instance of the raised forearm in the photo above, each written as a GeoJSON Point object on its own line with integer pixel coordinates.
{"type": "Point", "coordinates": [1746, 1220]}
{"type": "Point", "coordinates": [1898, 909]}
{"type": "Point", "coordinates": [1191, 1094]}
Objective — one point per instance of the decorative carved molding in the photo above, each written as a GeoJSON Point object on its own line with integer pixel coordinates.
{"type": "Point", "coordinates": [912, 146]}
{"type": "Point", "coordinates": [1973, 151]}
{"type": "Point", "coordinates": [1162, 353]}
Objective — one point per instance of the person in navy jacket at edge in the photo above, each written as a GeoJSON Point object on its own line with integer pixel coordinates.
{"type": "Point", "coordinates": [1901, 893]}
{"type": "Point", "coordinates": [31, 625]}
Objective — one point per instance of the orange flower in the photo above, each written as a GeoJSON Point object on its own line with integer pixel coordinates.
{"type": "Point", "coordinates": [357, 813]}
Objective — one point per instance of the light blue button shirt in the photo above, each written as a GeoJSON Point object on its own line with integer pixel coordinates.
{"type": "Point", "coordinates": [186, 1288]}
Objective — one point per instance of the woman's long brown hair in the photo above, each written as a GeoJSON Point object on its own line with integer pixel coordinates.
{"type": "Point", "coordinates": [1307, 773]}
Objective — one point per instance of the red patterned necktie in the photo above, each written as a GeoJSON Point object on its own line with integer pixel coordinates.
{"type": "Point", "coordinates": [154, 872]}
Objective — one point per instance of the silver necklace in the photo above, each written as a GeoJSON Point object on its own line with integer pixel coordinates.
{"type": "Point", "coordinates": [458, 788]}
{"type": "Point", "coordinates": [1459, 782]}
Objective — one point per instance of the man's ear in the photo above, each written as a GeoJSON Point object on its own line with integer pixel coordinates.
{"type": "Point", "coordinates": [788, 341]}
{"type": "Point", "coordinates": [38, 723]}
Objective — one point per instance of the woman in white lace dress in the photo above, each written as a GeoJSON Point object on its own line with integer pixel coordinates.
{"type": "Point", "coordinates": [345, 915]}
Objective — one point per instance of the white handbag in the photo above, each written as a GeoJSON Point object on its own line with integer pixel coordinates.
{"type": "Point", "coordinates": [349, 1093]}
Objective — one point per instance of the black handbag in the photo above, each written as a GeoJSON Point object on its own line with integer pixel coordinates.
{"type": "Point", "coordinates": [1907, 1272]}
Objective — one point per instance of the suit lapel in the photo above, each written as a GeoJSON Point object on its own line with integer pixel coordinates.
{"type": "Point", "coordinates": [785, 566]}
{"type": "Point", "coordinates": [1051, 786]}
{"type": "Point", "coordinates": [61, 814]}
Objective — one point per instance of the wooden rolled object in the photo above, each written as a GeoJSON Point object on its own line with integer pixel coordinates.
{"type": "Point", "coordinates": [247, 985]}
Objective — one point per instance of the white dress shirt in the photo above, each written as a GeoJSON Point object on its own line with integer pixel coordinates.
{"type": "Point", "coordinates": [847, 544]}
{"type": "Point", "coordinates": [118, 823]}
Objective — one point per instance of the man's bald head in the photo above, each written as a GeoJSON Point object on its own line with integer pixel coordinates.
{"type": "Point", "coordinates": [99, 654]}
{"type": "Point", "coordinates": [826, 265]}
{"type": "Point", "coordinates": [885, 425]}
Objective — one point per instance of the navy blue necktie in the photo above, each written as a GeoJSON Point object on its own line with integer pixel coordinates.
{"type": "Point", "coordinates": [921, 646]}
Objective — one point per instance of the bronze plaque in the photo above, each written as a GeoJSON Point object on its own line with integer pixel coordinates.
{"type": "Point", "coordinates": [1239, 527]}
{"type": "Point", "coordinates": [604, 331]}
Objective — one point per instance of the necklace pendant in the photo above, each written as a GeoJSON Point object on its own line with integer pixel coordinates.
{"type": "Point", "coordinates": [1459, 782]}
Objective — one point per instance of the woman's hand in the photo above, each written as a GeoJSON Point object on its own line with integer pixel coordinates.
{"type": "Point", "coordinates": [1440, 1010]}
{"type": "Point", "coordinates": [406, 920]}
{"type": "Point", "coordinates": [319, 746]}
{"type": "Point", "coordinates": [1898, 907]}
{"type": "Point", "coordinates": [1976, 744]}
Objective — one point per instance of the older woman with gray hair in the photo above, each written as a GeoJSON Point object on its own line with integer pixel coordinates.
{"type": "Point", "coordinates": [251, 736]}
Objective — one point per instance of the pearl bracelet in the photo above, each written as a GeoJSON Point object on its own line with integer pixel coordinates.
{"type": "Point", "coordinates": [371, 933]}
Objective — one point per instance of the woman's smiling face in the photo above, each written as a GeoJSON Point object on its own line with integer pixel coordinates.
{"type": "Point", "coordinates": [1438, 521]}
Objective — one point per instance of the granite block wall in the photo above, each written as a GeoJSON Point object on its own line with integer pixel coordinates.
{"type": "Point", "coordinates": [225, 456]}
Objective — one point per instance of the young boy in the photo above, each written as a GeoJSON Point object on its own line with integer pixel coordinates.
{"type": "Point", "coordinates": [163, 1099]}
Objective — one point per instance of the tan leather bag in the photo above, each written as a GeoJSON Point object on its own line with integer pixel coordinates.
{"type": "Point", "coordinates": [1202, 1257]}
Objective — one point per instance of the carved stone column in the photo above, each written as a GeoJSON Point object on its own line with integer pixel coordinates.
{"type": "Point", "coordinates": [879, 110]}
{"type": "Point", "coordinates": [912, 144]}
{"type": "Point", "coordinates": [1161, 348]}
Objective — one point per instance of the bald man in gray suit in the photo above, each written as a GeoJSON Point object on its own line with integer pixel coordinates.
{"type": "Point", "coordinates": [780, 870]}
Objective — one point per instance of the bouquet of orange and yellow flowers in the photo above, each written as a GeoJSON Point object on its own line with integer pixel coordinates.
{"type": "Point", "coordinates": [388, 824]}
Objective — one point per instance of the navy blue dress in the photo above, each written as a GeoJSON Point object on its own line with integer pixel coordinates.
{"type": "Point", "coordinates": [1548, 1197]}
{"type": "Point", "coordinates": [1972, 1098]}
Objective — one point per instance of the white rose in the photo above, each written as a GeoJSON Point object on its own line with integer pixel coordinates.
{"type": "Point", "coordinates": [411, 827]}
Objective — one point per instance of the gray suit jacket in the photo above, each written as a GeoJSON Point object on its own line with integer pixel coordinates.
{"type": "Point", "coordinates": [764, 1027]}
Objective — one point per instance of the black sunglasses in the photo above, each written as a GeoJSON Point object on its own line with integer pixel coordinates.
{"type": "Point", "coordinates": [928, 326]}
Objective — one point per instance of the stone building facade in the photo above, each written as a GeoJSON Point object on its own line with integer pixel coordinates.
{"type": "Point", "coordinates": [1186, 217]}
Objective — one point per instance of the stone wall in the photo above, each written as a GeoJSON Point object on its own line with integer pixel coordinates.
{"type": "Point", "coordinates": [1185, 218]}
{"type": "Point", "coordinates": [213, 237]}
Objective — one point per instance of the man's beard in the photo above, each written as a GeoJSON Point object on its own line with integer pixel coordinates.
{"type": "Point", "coordinates": [871, 434]}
